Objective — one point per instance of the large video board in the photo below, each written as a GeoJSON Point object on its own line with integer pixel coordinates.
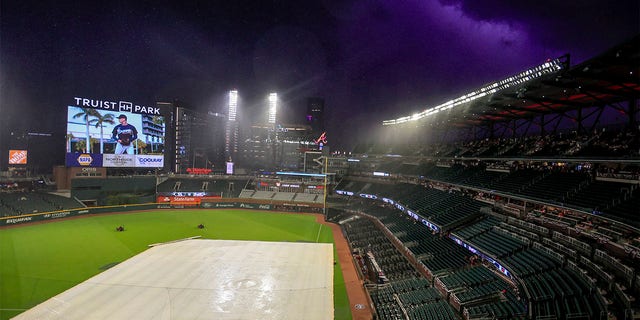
{"type": "Point", "coordinates": [103, 133]}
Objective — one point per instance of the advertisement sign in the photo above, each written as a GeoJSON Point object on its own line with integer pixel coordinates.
{"type": "Point", "coordinates": [17, 156]}
{"type": "Point", "coordinates": [118, 160]}
{"type": "Point", "coordinates": [83, 160]}
{"type": "Point", "coordinates": [229, 168]}
{"type": "Point", "coordinates": [103, 127]}
{"type": "Point", "coordinates": [199, 170]}
{"type": "Point", "coordinates": [190, 200]}
{"type": "Point", "coordinates": [179, 200]}
{"type": "Point", "coordinates": [219, 205]}
{"type": "Point", "coordinates": [148, 161]}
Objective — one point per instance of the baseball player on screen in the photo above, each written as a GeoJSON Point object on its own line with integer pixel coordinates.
{"type": "Point", "coordinates": [125, 134]}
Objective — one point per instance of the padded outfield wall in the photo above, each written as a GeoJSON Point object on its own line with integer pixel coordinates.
{"type": "Point", "coordinates": [205, 204]}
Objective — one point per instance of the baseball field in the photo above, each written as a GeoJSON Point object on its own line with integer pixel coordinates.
{"type": "Point", "coordinates": [41, 260]}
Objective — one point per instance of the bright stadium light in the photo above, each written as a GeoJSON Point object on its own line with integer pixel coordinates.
{"type": "Point", "coordinates": [273, 106]}
{"type": "Point", "coordinates": [527, 75]}
{"type": "Point", "coordinates": [233, 104]}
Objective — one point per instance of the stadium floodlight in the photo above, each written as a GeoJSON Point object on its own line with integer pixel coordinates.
{"type": "Point", "coordinates": [273, 106]}
{"type": "Point", "coordinates": [527, 75]}
{"type": "Point", "coordinates": [233, 104]}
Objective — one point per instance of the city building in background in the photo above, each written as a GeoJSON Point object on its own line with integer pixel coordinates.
{"type": "Point", "coordinates": [286, 151]}
{"type": "Point", "coordinates": [200, 141]}
{"type": "Point", "coordinates": [315, 115]}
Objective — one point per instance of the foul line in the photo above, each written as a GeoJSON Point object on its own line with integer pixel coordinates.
{"type": "Point", "coordinates": [318, 236]}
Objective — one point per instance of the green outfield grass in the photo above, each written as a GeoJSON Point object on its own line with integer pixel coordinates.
{"type": "Point", "coordinates": [40, 261]}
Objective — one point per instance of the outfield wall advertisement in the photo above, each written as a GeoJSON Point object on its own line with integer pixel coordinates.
{"type": "Point", "coordinates": [46, 216]}
{"type": "Point", "coordinates": [163, 202]}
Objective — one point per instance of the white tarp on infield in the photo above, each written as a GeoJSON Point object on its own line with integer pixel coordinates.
{"type": "Point", "coordinates": [205, 279]}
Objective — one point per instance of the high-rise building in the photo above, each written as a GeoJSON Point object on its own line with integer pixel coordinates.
{"type": "Point", "coordinates": [198, 140]}
{"type": "Point", "coordinates": [261, 151]}
{"type": "Point", "coordinates": [315, 115]}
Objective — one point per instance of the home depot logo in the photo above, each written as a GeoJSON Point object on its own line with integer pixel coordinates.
{"type": "Point", "coordinates": [17, 156]}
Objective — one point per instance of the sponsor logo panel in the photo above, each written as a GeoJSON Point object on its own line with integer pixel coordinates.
{"type": "Point", "coordinates": [76, 159]}
{"type": "Point", "coordinates": [18, 220]}
{"type": "Point", "coordinates": [17, 156]}
{"type": "Point", "coordinates": [149, 161]}
{"type": "Point", "coordinates": [57, 215]}
{"type": "Point", "coordinates": [118, 160]}
{"type": "Point", "coordinates": [224, 205]}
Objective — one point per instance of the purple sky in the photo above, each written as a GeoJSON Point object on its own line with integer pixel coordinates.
{"type": "Point", "coordinates": [370, 59]}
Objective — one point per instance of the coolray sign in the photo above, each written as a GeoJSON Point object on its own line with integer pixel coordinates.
{"type": "Point", "coordinates": [118, 160]}
{"type": "Point", "coordinates": [118, 106]}
{"type": "Point", "coordinates": [149, 161]}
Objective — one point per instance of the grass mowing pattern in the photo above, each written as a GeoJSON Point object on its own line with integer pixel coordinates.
{"type": "Point", "coordinates": [40, 261]}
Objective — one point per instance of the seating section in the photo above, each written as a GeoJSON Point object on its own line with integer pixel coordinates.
{"type": "Point", "coordinates": [282, 196]}
{"type": "Point", "coordinates": [226, 188]}
{"type": "Point", "coordinates": [553, 185]}
{"type": "Point", "coordinates": [308, 197]}
{"type": "Point", "coordinates": [626, 210]}
{"type": "Point", "coordinates": [17, 203]}
{"type": "Point", "coordinates": [264, 195]}
{"type": "Point", "coordinates": [477, 290]}
{"type": "Point", "coordinates": [364, 235]}
{"type": "Point", "coordinates": [407, 291]}
{"type": "Point", "coordinates": [609, 143]}
{"type": "Point", "coordinates": [443, 208]}
{"type": "Point", "coordinates": [437, 254]}
{"type": "Point", "coordinates": [548, 287]}
{"type": "Point", "coordinates": [496, 244]}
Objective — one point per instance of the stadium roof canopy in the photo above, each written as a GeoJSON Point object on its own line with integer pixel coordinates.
{"type": "Point", "coordinates": [605, 80]}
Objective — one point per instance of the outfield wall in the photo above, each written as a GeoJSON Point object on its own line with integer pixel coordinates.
{"type": "Point", "coordinates": [251, 204]}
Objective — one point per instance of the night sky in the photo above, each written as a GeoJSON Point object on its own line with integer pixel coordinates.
{"type": "Point", "coordinates": [370, 60]}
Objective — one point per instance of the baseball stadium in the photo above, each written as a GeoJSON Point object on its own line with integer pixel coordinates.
{"type": "Point", "coordinates": [517, 200]}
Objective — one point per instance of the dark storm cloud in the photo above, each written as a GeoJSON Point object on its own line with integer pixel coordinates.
{"type": "Point", "coordinates": [424, 51]}
{"type": "Point", "coordinates": [582, 28]}
{"type": "Point", "coordinates": [403, 56]}
{"type": "Point", "coordinates": [370, 59]}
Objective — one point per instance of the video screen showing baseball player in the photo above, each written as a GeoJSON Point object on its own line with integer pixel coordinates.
{"type": "Point", "coordinates": [124, 134]}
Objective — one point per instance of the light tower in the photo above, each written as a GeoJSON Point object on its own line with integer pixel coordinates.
{"type": "Point", "coordinates": [231, 134]}
{"type": "Point", "coordinates": [233, 104]}
{"type": "Point", "coordinates": [273, 108]}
